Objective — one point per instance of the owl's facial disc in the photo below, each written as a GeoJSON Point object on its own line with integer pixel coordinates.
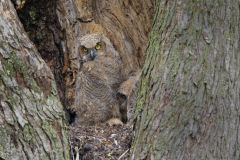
{"type": "Point", "coordinates": [88, 54]}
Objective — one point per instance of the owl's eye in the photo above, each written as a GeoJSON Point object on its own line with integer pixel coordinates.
{"type": "Point", "coordinates": [98, 46]}
{"type": "Point", "coordinates": [84, 49]}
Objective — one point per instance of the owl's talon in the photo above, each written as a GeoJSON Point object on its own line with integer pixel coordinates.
{"type": "Point", "coordinates": [114, 122]}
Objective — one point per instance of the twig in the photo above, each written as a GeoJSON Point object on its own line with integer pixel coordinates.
{"type": "Point", "coordinates": [77, 153]}
{"type": "Point", "coordinates": [123, 154]}
{"type": "Point", "coordinates": [71, 148]}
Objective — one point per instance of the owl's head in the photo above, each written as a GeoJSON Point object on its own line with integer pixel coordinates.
{"type": "Point", "coordinates": [93, 46]}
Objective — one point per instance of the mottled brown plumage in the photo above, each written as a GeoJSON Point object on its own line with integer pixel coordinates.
{"type": "Point", "coordinates": [98, 81]}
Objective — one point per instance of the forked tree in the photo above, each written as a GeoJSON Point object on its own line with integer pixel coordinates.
{"type": "Point", "coordinates": [189, 94]}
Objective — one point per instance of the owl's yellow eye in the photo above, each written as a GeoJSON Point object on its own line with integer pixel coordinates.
{"type": "Point", "coordinates": [98, 46]}
{"type": "Point", "coordinates": [84, 49]}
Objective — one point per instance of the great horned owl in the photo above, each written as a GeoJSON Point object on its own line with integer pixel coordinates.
{"type": "Point", "coordinates": [97, 98]}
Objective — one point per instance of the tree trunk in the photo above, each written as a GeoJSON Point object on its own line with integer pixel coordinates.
{"type": "Point", "coordinates": [188, 105]}
{"type": "Point", "coordinates": [32, 122]}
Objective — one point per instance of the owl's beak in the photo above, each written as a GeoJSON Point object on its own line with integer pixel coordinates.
{"type": "Point", "coordinates": [92, 52]}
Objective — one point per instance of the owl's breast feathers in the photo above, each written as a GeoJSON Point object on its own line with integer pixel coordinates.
{"type": "Point", "coordinates": [105, 69]}
{"type": "Point", "coordinates": [98, 82]}
{"type": "Point", "coordinates": [96, 95]}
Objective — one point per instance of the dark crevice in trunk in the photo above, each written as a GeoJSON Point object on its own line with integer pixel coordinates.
{"type": "Point", "coordinates": [71, 116]}
{"type": "Point", "coordinates": [40, 21]}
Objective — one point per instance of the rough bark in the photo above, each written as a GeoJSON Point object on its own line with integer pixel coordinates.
{"type": "Point", "coordinates": [31, 116]}
{"type": "Point", "coordinates": [39, 18]}
{"type": "Point", "coordinates": [189, 98]}
{"type": "Point", "coordinates": [84, 17]}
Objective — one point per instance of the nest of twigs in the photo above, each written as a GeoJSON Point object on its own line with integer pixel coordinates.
{"type": "Point", "coordinates": [100, 142]}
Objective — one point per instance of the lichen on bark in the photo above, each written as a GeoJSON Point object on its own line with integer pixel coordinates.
{"type": "Point", "coordinates": [32, 120]}
{"type": "Point", "coordinates": [191, 109]}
